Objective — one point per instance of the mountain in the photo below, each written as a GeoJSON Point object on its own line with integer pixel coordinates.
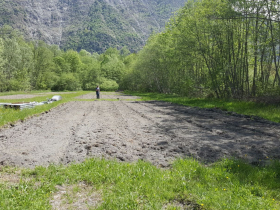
{"type": "Point", "coordinates": [93, 25]}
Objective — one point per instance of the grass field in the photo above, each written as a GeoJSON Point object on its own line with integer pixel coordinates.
{"type": "Point", "coordinates": [104, 184]}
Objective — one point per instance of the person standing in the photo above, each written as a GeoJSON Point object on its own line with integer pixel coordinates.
{"type": "Point", "coordinates": [97, 92]}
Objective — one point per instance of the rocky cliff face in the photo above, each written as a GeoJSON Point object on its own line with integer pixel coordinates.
{"type": "Point", "coordinates": [93, 25]}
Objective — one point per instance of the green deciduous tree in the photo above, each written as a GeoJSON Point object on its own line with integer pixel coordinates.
{"type": "Point", "coordinates": [213, 48]}
{"type": "Point", "coordinates": [2, 63]}
{"type": "Point", "coordinates": [36, 65]}
{"type": "Point", "coordinates": [43, 76]}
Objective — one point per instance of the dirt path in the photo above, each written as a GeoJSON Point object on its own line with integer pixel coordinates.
{"type": "Point", "coordinates": [130, 130]}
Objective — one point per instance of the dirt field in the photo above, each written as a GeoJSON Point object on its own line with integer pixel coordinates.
{"type": "Point", "coordinates": [129, 130]}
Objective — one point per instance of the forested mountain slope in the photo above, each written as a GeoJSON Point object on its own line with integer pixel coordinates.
{"type": "Point", "coordinates": [93, 25]}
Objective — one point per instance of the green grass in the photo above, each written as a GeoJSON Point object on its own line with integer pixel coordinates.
{"type": "Point", "coordinates": [229, 184]}
{"type": "Point", "coordinates": [269, 112]}
{"type": "Point", "coordinates": [24, 92]}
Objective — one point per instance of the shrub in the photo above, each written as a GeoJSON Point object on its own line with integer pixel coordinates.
{"type": "Point", "coordinates": [109, 85]}
{"type": "Point", "coordinates": [67, 82]}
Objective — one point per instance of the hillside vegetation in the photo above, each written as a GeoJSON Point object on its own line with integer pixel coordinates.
{"type": "Point", "coordinates": [93, 25]}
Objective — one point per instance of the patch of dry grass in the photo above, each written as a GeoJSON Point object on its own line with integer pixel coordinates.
{"type": "Point", "coordinates": [76, 197]}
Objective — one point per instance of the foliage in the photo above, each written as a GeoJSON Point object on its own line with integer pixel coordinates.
{"type": "Point", "coordinates": [2, 62]}
{"type": "Point", "coordinates": [67, 81]}
{"type": "Point", "coordinates": [104, 28]}
{"type": "Point", "coordinates": [109, 85]}
{"type": "Point", "coordinates": [38, 66]}
{"type": "Point", "coordinates": [214, 48]}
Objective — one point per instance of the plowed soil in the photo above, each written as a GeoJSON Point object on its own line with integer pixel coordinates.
{"type": "Point", "coordinates": [129, 130]}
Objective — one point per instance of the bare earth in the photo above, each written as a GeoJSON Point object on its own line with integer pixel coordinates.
{"type": "Point", "coordinates": [129, 130]}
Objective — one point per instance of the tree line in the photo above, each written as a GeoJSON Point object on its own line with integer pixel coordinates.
{"type": "Point", "coordinates": [215, 48]}
{"type": "Point", "coordinates": [37, 66]}
{"type": "Point", "coordinates": [210, 48]}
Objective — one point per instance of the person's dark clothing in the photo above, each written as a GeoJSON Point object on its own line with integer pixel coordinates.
{"type": "Point", "coordinates": [97, 92]}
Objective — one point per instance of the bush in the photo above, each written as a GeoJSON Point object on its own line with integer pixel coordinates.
{"type": "Point", "coordinates": [67, 82]}
{"type": "Point", "coordinates": [109, 85]}
{"type": "Point", "coordinates": [16, 85]}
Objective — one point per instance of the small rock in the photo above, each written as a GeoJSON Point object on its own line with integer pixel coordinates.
{"type": "Point", "coordinates": [87, 147]}
{"type": "Point", "coordinates": [121, 158]}
{"type": "Point", "coordinates": [162, 143]}
{"type": "Point", "coordinates": [218, 132]}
